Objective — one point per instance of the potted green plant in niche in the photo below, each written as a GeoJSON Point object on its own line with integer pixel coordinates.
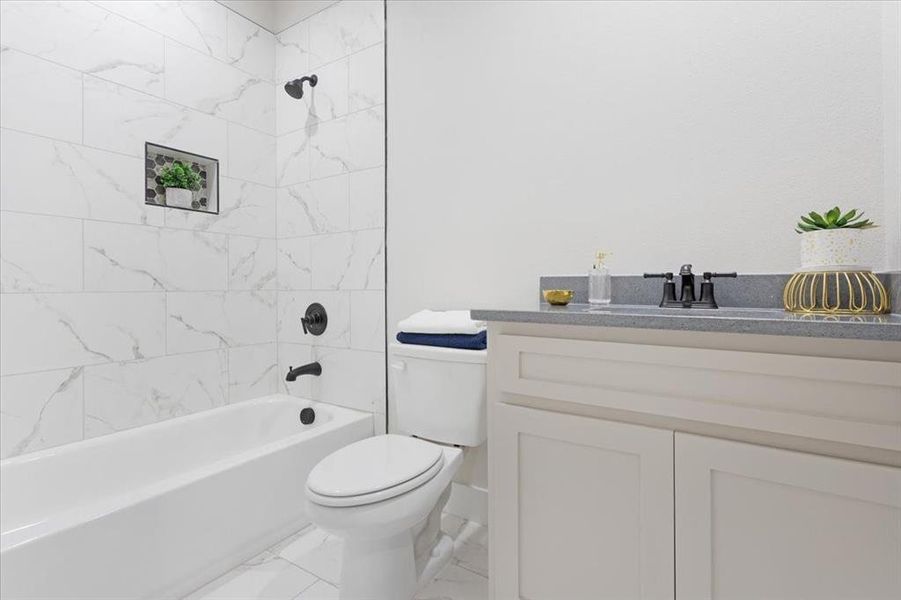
{"type": "Point", "coordinates": [833, 241]}
{"type": "Point", "coordinates": [180, 182]}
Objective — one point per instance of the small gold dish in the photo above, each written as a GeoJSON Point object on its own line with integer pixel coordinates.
{"type": "Point", "coordinates": [558, 297]}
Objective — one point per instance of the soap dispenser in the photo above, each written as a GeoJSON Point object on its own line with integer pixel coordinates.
{"type": "Point", "coordinates": [599, 291]}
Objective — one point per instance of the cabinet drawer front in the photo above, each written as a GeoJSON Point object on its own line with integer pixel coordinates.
{"type": "Point", "coordinates": [841, 400]}
{"type": "Point", "coordinates": [581, 508]}
{"type": "Point", "coordinates": [756, 522]}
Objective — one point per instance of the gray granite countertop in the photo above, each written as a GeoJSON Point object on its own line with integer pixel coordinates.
{"type": "Point", "coordinates": [765, 321]}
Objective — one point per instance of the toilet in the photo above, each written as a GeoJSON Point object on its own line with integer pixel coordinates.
{"type": "Point", "coordinates": [384, 495]}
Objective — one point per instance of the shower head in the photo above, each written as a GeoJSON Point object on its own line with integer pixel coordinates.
{"type": "Point", "coordinates": [295, 87]}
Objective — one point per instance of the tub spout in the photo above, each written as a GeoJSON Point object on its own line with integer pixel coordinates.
{"type": "Point", "coordinates": [313, 368]}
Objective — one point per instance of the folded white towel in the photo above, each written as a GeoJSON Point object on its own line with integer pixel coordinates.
{"type": "Point", "coordinates": [442, 321]}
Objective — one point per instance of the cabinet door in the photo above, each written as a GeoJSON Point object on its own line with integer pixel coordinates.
{"type": "Point", "coordinates": [757, 522]}
{"type": "Point", "coordinates": [581, 508]}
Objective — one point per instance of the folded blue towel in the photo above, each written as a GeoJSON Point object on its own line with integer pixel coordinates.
{"type": "Point", "coordinates": [478, 341]}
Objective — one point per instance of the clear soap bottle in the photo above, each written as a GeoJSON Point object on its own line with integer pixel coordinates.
{"type": "Point", "coordinates": [599, 291]}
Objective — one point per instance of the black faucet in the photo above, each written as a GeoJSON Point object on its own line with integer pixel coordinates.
{"type": "Point", "coordinates": [314, 368]}
{"type": "Point", "coordinates": [687, 297]}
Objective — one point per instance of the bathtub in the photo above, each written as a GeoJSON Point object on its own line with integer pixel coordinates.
{"type": "Point", "coordinates": [157, 511]}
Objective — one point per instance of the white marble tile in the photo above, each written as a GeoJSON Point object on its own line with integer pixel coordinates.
{"type": "Point", "coordinates": [123, 395]}
{"type": "Point", "coordinates": [40, 410]}
{"type": "Point", "coordinates": [295, 269]}
{"type": "Point", "coordinates": [250, 47]}
{"type": "Point", "coordinates": [365, 390]}
{"type": "Point", "coordinates": [319, 206]}
{"type": "Point", "coordinates": [366, 85]}
{"type": "Point", "coordinates": [129, 258]}
{"type": "Point", "coordinates": [367, 199]}
{"type": "Point", "coordinates": [39, 253]}
{"type": "Point", "coordinates": [265, 577]}
{"type": "Point", "coordinates": [76, 181]}
{"type": "Point", "coordinates": [344, 28]}
{"type": "Point", "coordinates": [366, 138]}
{"type": "Point", "coordinates": [292, 48]}
{"type": "Point", "coordinates": [210, 86]}
{"type": "Point", "coordinates": [292, 306]}
{"type": "Point", "coordinates": [289, 356]}
{"type": "Point", "coordinates": [120, 119]}
{"type": "Point", "coordinates": [252, 372]}
{"type": "Point", "coordinates": [328, 100]}
{"type": "Point", "coordinates": [251, 263]}
{"type": "Point", "coordinates": [367, 320]}
{"type": "Point", "coordinates": [208, 320]}
{"type": "Point", "coordinates": [85, 37]}
{"type": "Point", "coordinates": [293, 158]}
{"type": "Point", "coordinates": [471, 547]}
{"type": "Point", "coordinates": [455, 583]}
{"type": "Point", "coordinates": [349, 261]}
{"type": "Point", "coordinates": [251, 155]}
{"type": "Point", "coordinates": [245, 208]}
{"type": "Point", "coordinates": [315, 551]}
{"type": "Point", "coordinates": [200, 24]}
{"type": "Point", "coordinates": [27, 105]}
{"type": "Point", "coordinates": [321, 590]}
{"type": "Point", "coordinates": [330, 152]}
{"type": "Point", "coordinates": [52, 331]}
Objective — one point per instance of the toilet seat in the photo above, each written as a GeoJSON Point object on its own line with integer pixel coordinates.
{"type": "Point", "coordinates": [373, 469]}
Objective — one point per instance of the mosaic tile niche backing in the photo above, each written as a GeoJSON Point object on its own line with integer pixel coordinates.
{"type": "Point", "coordinates": [157, 158]}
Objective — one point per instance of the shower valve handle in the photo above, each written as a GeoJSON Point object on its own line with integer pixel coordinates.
{"type": "Point", "coordinates": [314, 320]}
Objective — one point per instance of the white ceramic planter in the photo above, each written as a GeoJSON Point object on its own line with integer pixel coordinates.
{"type": "Point", "coordinates": [179, 197]}
{"type": "Point", "coordinates": [833, 250]}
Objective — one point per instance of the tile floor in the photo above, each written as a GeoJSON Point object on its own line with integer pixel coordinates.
{"type": "Point", "coordinates": [307, 566]}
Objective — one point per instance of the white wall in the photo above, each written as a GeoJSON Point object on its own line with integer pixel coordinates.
{"type": "Point", "coordinates": [523, 136]}
{"type": "Point", "coordinates": [331, 203]}
{"type": "Point", "coordinates": [114, 314]}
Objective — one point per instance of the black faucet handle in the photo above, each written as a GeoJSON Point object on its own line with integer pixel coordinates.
{"type": "Point", "coordinates": [314, 320]}
{"type": "Point", "coordinates": [667, 276]}
{"type": "Point", "coordinates": [708, 275]}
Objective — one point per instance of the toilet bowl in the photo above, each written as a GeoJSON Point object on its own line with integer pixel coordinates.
{"type": "Point", "coordinates": [384, 495]}
{"type": "Point", "coordinates": [391, 528]}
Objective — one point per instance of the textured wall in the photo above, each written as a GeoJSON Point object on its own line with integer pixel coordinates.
{"type": "Point", "coordinates": [114, 314]}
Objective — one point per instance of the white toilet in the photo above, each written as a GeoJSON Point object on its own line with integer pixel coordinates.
{"type": "Point", "coordinates": [384, 495]}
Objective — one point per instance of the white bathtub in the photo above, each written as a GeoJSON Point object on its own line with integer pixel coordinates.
{"type": "Point", "coordinates": [157, 511]}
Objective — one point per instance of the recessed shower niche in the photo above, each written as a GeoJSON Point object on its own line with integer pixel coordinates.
{"type": "Point", "coordinates": [179, 179]}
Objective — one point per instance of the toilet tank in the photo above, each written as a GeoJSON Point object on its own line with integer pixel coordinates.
{"type": "Point", "coordinates": [439, 393]}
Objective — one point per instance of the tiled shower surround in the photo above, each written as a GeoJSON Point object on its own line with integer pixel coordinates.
{"type": "Point", "coordinates": [115, 314]}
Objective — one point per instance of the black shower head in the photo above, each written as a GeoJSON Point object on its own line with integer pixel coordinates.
{"type": "Point", "coordinates": [295, 87]}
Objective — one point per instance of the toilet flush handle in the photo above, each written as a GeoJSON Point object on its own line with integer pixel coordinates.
{"type": "Point", "coordinates": [399, 366]}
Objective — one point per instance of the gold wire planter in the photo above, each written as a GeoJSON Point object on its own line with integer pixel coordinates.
{"type": "Point", "coordinates": [836, 293]}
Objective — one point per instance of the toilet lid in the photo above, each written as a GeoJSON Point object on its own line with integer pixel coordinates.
{"type": "Point", "coordinates": [383, 466]}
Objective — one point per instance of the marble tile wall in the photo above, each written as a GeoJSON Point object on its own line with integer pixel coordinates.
{"type": "Point", "coordinates": [115, 314]}
{"type": "Point", "coordinates": [330, 157]}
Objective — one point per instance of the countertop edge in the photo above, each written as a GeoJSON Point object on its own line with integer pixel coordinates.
{"type": "Point", "coordinates": [874, 331]}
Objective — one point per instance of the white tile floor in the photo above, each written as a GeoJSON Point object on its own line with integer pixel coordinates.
{"type": "Point", "coordinates": [307, 566]}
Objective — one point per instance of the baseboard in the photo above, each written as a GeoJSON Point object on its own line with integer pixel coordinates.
{"type": "Point", "coordinates": [468, 502]}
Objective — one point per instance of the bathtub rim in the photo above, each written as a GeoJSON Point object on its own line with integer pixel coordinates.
{"type": "Point", "coordinates": [69, 518]}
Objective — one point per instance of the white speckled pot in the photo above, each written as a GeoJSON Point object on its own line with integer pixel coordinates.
{"type": "Point", "coordinates": [833, 250]}
{"type": "Point", "coordinates": [179, 197]}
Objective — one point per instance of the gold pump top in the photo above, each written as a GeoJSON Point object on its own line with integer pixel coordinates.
{"type": "Point", "coordinates": [600, 256]}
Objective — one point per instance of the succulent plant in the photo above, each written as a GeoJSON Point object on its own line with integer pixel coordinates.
{"type": "Point", "coordinates": [180, 175]}
{"type": "Point", "coordinates": [833, 219]}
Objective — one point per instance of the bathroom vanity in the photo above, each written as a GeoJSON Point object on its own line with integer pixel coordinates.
{"type": "Point", "coordinates": [645, 453]}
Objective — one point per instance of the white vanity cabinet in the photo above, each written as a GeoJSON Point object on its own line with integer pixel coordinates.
{"type": "Point", "coordinates": [755, 522]}
{"type": "Point", "coordinates": [642, 464]}
{"type": "Point", "coordinates": [584, 507]}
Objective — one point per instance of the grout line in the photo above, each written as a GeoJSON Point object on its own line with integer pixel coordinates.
{"type": "Point", "coordinates": [385, 203]}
